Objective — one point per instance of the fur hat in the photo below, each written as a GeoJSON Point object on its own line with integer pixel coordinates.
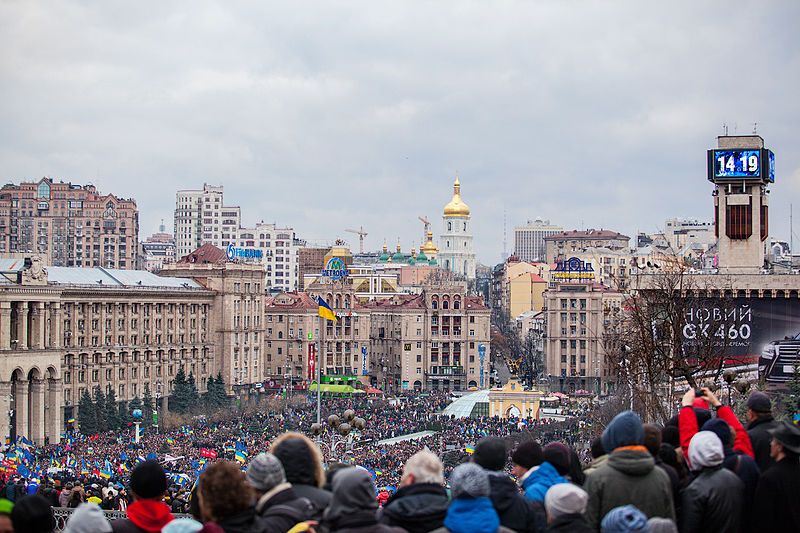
{"type": "Point", "coordinates": [469, 480]}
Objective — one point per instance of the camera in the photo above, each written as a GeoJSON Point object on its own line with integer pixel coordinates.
{"type": "Point", "coordinates": [699, 393]}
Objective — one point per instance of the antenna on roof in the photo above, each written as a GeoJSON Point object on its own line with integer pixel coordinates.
{"type": "Point", "coordinates": [505, 239]}
{"type": "Point", "coordinates": [755, 128]}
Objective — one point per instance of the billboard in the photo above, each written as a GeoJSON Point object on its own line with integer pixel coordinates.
{"type": "Point", "coordinates": [750, 329]}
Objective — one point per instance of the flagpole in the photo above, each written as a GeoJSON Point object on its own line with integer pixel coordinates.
{"type": "Point", "coordinates": [319, 358]}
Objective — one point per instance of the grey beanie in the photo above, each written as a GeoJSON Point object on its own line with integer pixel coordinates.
{"type": "Point", "coordinates": [469, 480]}
{"type": "Point", "coordinates": [565, 498]}
{"type": "Point", "coordinates": [661, 525]}
{"type": "Point", "coordinates": [265, 472]}
{"type": "Point", "coordinates": [88, 518]}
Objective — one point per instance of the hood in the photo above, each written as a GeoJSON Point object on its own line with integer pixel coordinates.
{"type": "Point", "coordinates": [149, 515]}
{"type": "Point", "coordinates": [353, 494]}
{"type": "Point", "coordinates": [503, 491]}
{"type": "Point", "coordinates": [632, 462]}
{"type": "Point", "coordinates": [238, 523]}
{"type": "Point", "coordinates": [545, 475]}
{"type": "Point", "coordinates": [705, 450]}
{"type": "Point", "coordinates": [88, 518]}
{"type": "Point", "coordinates": [418, 506]}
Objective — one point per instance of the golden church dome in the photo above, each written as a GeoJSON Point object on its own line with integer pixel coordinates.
{"type": "Point", "coordinates": [456, 208]}
{"type": "Point", "coordinates": [429, 248]}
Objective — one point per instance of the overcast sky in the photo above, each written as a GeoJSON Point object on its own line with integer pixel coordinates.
{"type": "Point", "coordinates": [332, 115]}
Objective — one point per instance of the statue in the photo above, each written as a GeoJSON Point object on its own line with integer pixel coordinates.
{"type": "Point", "coordinates": [34, 272]}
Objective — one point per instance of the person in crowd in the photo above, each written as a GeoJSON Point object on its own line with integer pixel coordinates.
{"type": "Point", "coordinates": [713, 500]}
{"type": "Point", "coordinates": [515, 511]}
{"type": "Point", "coordinates": [777, 500]}
{"type": "Point", "coordinates": [599, 455]}
{"type": "Point", "coordinates": [652, 441]}
{"type": "Point", "coordinates": [565, 504]}
{"type": "Point", "coordinates": [672, 453]}
{"type": "Point", "coordinates": [148, 512]}
{"type": "Point", "coordinates": [759, 424]}
{"type": "Point", "coordinates": [225, 498]}
{"type": "Point", "coordinates": [420, 503]}
{"type": "Point", "coordinates": [689, 423]}
{"type": "Point", "coordinates": [471, 510]}
{"type": "Point", "coordinates": [575, 474]}
{"type": "Point", "coordinates": [383, 496]}
{"type": "Point", "coordinates": [88, 518]}
{"type": "Point", "coordinates": [624, 519]}
{"type": "Point", "coordinates": [64, 495]}
{"type": "Point", "coordinates": [33, 514]}
{"type": "Point", "coordinates": [302, 463]}
{"type": "Point", "coordinates": [277, 504]}
{"type": "Point", "coordinates": [6, 507]}
{"type": "Point", "coordinates": [533, 472]}
{"type": "Point", "coordinates": [629, 476]}
{"type": "Point", "coordinates": [353, 507]}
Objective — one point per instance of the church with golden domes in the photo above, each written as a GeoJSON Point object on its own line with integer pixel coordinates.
{"type": "Point", "coordinates": [455, 242]}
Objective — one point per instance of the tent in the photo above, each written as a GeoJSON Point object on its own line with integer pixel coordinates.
{"type": "Point", "coordinates": [335, 389]}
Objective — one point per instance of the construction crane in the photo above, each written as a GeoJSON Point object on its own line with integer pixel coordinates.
{"type": "Point", "coordinates": [361, 234]}
{"type": "Point", "coordinates": [425, 234]}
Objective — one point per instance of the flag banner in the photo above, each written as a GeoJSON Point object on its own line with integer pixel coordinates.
{"type": "Point", "coordinates": [326, 312]}
{"type": "Point", "coordinates": [211, 454]}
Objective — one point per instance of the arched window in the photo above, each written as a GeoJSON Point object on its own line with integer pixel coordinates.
{"type": "Point", "coordinates": [456, 303]}
{"type": "Point", "coordinates": [434, 304]}
{"type": "Point", "coordinates": [465, 226]}
{"type": "Point", "coordinates": [449, 226]}
{"type": "Point", "coordinates": [445, 304]}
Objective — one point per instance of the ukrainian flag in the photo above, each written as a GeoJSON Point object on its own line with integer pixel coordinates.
{"type": "Point", "coordinates": [240, 455]}
{"type": "Point", "coordinates": [469, 450]}
{"type": "Point", "coordinates": [325, 311]}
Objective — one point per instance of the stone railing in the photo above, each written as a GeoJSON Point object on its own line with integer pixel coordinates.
{"type": "Point", "coordinates": [63, 514]}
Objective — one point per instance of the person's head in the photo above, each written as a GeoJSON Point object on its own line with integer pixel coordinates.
{"type": "Point", "coordinates": [5, 516]}
{"type": "Point", "coordinates": [148, 481]}
{"type": "Point", "coordinates": [223, 491]}
{"type": "Point", "coordinates": [652, 438]}
{"type": "Point", "coordinates": [661, 525]}
{"type": "Point", "coordinates": [527, 455]}
{"type": "Point", "coordinates": [330, 472]}
{"type": "Point", "coordinates": [422, 467]}
{"type": "Point", "coordinates": [353, 493]}
{"type": "Point", "coordinates": [785, 442]}
{"type": "Point", "coordinates": [468, 480]}
{"type": "Point", "coordinates": [301, 459]}
{"type": "Point", "coordinates": [624, 430]}
{"type": "Point", "coordinates": [671, 435]}
{"type": "Point", "coordinates": [490, 453]}
{"type": "Point", "coordinates": [705, 450]}
{"type": "Point", "coordinates": [32, 514]}
{"type": "Point", "coordinates": [563, 499]}
{"type": "Point", "coordinates": [88, 518]}
{"type": "Point", "coordinates": [758, 405]}
{"type": "Point", "coordinates": [265, 472]}
{"type": "Point", "coordinates": [596, 448]}
{"type": "Point", "coordinates": [624, 519]}
{"type": "Point", "coordinates": [721, 429]}
{"type": "Point", "coordinates": [557, 454]}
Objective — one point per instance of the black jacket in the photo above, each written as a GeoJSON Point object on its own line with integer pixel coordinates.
{"type": "Point", "coordinates": [282, 511]}
{"type": "Point", "coordinates": [243, 522]}
{"type": "Point", "coordinates": [417, 508]}
{"type": "Point", "coordinates": [569, 523]}
{"type": "Point", "coordinates": [745, 467]}
{"type": "Point", "coordinates": [758, 431]}
{"type": "Point", "coordinates": [319, 497]}
{"type": "Point", "coordinates": [713, 502]}
{"type": "Point", "coordinates": [777, 500]}
{"type": "Point", "coordinates": [515, 510]}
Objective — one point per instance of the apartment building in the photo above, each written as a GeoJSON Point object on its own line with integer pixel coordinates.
{"type": "Point", "coordinates": [68, 225]}
{"type": "Point", "coordinates": [529, 245]}
{"type": "Point", "coordinates": [567, 243]}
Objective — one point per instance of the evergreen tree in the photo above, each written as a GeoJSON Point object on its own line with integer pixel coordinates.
{"type": "Point", "coordinates": [147, 407]}
{"type": "Point", "coordinates": [255, 428]}
{"type": "Point", "coordinates": [180, 399]}
{"type": "Point", "coordinates": [219, 391]}
{"type": "Point", "coordinates": [100, 409]}
{"type": "Point", "coordinates": [124, 414]}
{"type": "Point", "coordinates": [87, 414]}
{"type": "Point", "coordinates": [191, 391]}
{"type": "Point", "coordinates": [112, 417]}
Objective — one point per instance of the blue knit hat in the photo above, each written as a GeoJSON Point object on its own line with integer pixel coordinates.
{"type": "Point", "coordinates": [625, 429]}
{"type": "Point", "coordinates": [625, 519]}
{"type": "Point", "coordinates": [721, 429]}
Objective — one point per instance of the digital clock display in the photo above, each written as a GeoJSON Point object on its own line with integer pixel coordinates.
{"type": "Point", "coordinates": [737, 163]}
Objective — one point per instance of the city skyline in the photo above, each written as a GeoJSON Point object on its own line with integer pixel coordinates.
{"type": "Point", "coordinates": [600, 123]}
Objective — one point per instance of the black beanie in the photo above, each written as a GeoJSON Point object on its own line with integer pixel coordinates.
{"type": "Point", "coordinates": [490, 453]}
{"type": "Point", "coordinates": [528, 454]}
{"type": "Point", "coordinates": [32, 514]}
{"type": "Point", "coordinates": [148, 480]}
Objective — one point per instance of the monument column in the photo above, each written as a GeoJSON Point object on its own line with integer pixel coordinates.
{"type": "Point", "coordinates": [22, 326]}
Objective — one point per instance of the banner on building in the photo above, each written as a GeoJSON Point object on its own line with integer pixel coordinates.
{"type": "Point", "coordinates": [312, 361]}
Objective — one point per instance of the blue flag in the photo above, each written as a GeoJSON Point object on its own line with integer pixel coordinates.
{"type": "Point", "coordinates": [152, 456]}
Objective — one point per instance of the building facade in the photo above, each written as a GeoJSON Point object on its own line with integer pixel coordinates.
{"type": "Point", "coordinates": [68, 225]}
{"type": "Point", "coordinates": [455, 242]}
{"type": "Point", "coordinates": [157, 250]}
{"type": "Point", "coordinates": [564, 245]}
{"type": "Point", "coordinates": [529, 239]}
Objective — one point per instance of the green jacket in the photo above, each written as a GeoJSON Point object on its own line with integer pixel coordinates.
{"type": "Point", "coordinates": [628, 477]}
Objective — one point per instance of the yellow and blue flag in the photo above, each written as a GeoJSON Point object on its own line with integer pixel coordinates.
{"type": "Point", "coordinates": [326, 312]}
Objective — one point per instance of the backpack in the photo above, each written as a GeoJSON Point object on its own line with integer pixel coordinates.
{"type": "Point", "coordinates": [295, 513]}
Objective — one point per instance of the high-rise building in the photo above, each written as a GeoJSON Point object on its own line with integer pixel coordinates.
{"type": "Point", "coordinates": [201, 217]}
{"type": "Point", "coordinates": [68, 225]}
{"type": "Point", "coordinates": [561, 246]}
{"type": "Point", "coordinates": [455, 242]}
{"type": "Point", "coordinates": [529, 239]}
{"type": "Point", "coordinates": [158, 250]}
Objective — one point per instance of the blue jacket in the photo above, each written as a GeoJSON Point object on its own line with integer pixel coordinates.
{"type": "Point", "coordinates": [541, 479]}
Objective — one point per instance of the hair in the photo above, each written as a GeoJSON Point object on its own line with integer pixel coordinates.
{"type": "Point", "coordinates": [652, 439]}
{"type": "Point", "coordinates": [426, 467]}
{"type": "Point", "coordinates": [490, 453]}
{"type": "Point", "coordinates": [223, 491]}
{"type": "Point", "coordinates": [597, 448]}
{"type": "Point", "coordinates": [314, 452]}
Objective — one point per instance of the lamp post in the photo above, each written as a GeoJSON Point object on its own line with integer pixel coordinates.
{"type": "Point", "coordinates": [158, 406]}
{"type": "Point", "coordinates": [341, 431]}
{"type": "Point", "coordinates": [729, 376]}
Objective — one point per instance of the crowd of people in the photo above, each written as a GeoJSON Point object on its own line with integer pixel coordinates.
{"type": "Point", "coordinates": [702, 471]}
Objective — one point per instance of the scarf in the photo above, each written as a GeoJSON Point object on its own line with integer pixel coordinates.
{"type": "Point", "coordinates": [471, 515]}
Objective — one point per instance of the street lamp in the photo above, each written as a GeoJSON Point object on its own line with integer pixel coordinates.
{"type": "Point", "coordinates": [158, 405]}
{"type": "Point", "coordinates": [341, 432]}
{"type": "Point", "coordinates": [729, 376]}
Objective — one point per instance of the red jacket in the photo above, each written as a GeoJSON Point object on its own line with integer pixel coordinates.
{"type": "Point", "coordinates": [687, 424]}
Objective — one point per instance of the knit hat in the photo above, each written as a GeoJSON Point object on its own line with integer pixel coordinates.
{"type": "Point", "coordinates": [32, 514]}
{"type": "Point", "coordinates": [182, 525]}
{"type": "Point", "coordinates": [625, 519]}
{"type": "Point", "coordinates": [265, 472]}
{"type": "Point", "coordinates": [528, 454]}
{"type": "Point", "coordinates": [652, 438]}
{"type": "Point", "coordinates": [661, 525]}
{"type": "Point", "coordinates": [565, 498]}
{"type": "Point", "coordinates": [148, 480]}
{"type": "Point", "coordinates": [88, 518]}
{"type": "Point", "coordinates": [705, 449]}
{"type": "Point", "coordinates": [721, 429]}
{"type": "Point", "coordinates": [557, 454]}
{"type": "Point", "coordinates": [490, 453]}
{"type": "Point", "coordinates": [6, 506]}
{"type": "Point", "coordinates": [469, 480]}
{"type": "Point", "coordinates": [624, 430]}
{"type": "Point", "coordinates": [759, 402]}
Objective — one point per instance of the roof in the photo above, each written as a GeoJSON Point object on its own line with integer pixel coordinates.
{"type": "Point", "coordinates": [208, 253]}
{"type": "Point", "coordinates": [463, 407]}
{"type": "Point", "coordinates": [113, 277]}
{"type": "Point", "coordinates": [589, 234]}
